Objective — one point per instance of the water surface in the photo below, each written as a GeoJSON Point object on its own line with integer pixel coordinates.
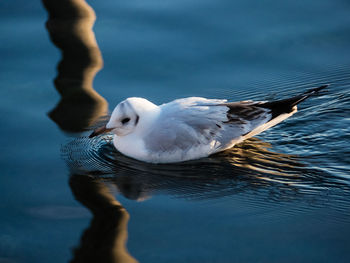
{"type": "Point", "coordinates": [283, 196]}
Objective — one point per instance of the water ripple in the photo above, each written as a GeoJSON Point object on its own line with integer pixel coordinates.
{"type": "Point", "coordinates": [250, 170]}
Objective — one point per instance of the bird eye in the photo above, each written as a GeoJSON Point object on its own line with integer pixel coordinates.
{"type": "Point", "coordinates": [125, 120]}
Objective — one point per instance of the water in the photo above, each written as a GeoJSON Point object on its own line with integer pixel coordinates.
{"type": "Point", "coordinates": [281, 197]}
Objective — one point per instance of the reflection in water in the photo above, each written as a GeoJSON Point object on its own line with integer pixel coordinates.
{"type": "Point", "coordinates": [104, 240]}
{"type": "Point", "coordinates": [250, 167]}
{"type": "Point", "coordinates": [70, 26]}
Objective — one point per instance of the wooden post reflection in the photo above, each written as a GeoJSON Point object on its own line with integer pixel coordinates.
{"type": "Point", "coordinates": [70, 26]}
{"type": "Point", "coordinates": [104, 240]}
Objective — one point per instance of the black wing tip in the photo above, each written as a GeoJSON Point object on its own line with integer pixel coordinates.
{"type": "Point", "coordinates": [316, 90]}
{"type": "Point", "coordinates": [286, 106]}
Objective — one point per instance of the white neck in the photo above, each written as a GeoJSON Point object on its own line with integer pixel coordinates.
{"type": "Point", "coordinates": [147, 118]}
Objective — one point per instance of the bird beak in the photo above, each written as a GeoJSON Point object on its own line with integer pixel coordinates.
{"type": "Point", "coordinates": [99, 131]}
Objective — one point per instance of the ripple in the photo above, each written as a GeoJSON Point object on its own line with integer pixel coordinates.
{"type": "Point", "coordinates": [288, 83]}
{"type": "Point", "coordinates": [251, 171]}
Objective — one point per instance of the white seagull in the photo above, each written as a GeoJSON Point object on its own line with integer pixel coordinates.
{"type": "Point", "coordinates": [191, 128]}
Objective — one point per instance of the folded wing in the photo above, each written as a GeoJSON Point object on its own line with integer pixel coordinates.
{"type": "Point", "coordinates": [209, 126]}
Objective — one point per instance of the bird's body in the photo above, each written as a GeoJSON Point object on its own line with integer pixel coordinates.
{"type": "Point", "coordinates": [192, 128]}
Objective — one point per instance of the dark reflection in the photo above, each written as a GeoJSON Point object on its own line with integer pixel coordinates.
{"type": "Point", "coordinates": [249, 167]}
{"type": "Point", "coordinates": [104, 240]}
{"type": "Point", "coordinates": [70, 26]}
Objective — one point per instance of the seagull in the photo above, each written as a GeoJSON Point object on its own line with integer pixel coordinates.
{"type": "Point", "coordinates": [191, 128]}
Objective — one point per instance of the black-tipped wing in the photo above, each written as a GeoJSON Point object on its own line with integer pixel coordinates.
{"type": "Point", "coordinates": [286, 106]}
{"type": "Point", "coordinates": [250, 110]}
{"type": "Point", "coordinates": [248, 118]}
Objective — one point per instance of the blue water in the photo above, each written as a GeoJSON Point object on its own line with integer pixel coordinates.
{"type": "Point", "coordinates": [283, 196]}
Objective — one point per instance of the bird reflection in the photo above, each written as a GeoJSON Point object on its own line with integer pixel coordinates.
{"type": "Point", "coordinates": [249, 167]}
{"type": "Point", "coordinates": [70, 27]}
{"type": "Point", "coordinates": [104, 240]}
